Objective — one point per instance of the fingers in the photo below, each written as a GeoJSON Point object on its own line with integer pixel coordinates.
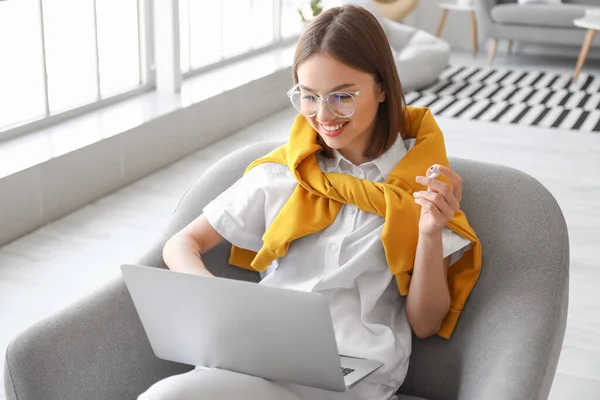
{"type": "Point", "coordinates": [455, 180]}
{"type": "Point", "coordinates": [438, 200]}
{"type": "Point", "coordinates": [441, 187]}
{"type": "Point", "coordinates": [430, 208]}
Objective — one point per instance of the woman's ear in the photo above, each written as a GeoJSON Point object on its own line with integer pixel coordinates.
{"type": "Point", "coordinates": [380, 94]}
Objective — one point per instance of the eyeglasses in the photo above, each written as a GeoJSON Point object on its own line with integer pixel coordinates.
{"type": "Point", "coordinates": [341, 104]}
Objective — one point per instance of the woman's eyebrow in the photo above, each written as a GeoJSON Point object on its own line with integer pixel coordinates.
{"type": "Point", "coordinates": [338, 87]}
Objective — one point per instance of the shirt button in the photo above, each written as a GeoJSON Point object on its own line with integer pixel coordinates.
{"type": "Point", "coordinates": [350, 210]}
{"type": "Point", "coordinates": [333, 247]}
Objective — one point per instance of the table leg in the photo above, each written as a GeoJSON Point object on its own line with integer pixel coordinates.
{"type": "Point", "coordinates": [442, 23]}
{"type": "Point", "coordinates": [493, 48]}
{"type": "Point", "coordinates": [475, 38]}
{"type": "Point", "coordinates": [585, 49]}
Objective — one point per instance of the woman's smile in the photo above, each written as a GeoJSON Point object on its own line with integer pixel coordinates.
{"type": "Point", "coordinates": [332, 129]}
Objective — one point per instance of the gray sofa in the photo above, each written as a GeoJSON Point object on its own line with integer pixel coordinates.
{"type": "Point", "coordinates": [506, 345]}
{"type": "Point", "coordinates": [420, 56]}
{"type": "Point", "coordinates": [539, 23]}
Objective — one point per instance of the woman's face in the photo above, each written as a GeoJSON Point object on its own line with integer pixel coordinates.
{"type": "Point", "coordinates": [322, 74]}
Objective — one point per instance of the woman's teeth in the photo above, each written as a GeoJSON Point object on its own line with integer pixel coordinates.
{"type": "Point", "coordinates": [333, 127]}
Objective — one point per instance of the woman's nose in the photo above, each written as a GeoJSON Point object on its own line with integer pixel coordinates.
{"type": "Point", "coordinates": [324, 113]}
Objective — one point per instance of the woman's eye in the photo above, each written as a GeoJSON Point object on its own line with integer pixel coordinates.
{"type": "Point", "coordinates": [341, 97]}
{"type": "Point", "coordinates": [308, 97]}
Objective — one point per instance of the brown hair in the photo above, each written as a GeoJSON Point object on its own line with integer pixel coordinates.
{"type": "Point", "coordinates": [353, 36]}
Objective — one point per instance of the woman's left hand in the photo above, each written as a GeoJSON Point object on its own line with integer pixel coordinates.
{"type": "Point", "coordinates": [440, 202]}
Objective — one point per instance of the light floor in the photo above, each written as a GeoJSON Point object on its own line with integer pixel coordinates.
{"type": "Point", "coordinates": [52, 267]}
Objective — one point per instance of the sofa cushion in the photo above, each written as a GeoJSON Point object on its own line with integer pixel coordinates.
{"type": "Point", "coordinates": [420, 56]}
{"type": "Point", "coordinates": [586, 2]}
{"type": "Point", "coordinates": [561, 15]}
{"type": "Point", "coordinates": [556, 2]}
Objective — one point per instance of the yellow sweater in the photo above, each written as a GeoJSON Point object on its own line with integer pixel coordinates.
{"type": "Point", "coordinates": [317, 199]}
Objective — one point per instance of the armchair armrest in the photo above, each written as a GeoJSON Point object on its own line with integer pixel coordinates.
{"type": "Point", "coordinates": [509, 336]}
{"type": "Point", "coordinates": [94, 350]}
{"type": "Point", "coordinates": [97, 348]}
{"type": "Point", "coordinates": [509, 351]}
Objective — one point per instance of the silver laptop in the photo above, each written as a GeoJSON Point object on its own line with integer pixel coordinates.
{"type": "Point", "coordinates": [273, 333]}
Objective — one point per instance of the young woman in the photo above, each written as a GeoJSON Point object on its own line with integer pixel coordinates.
{"type": "Point", "coordinates": [347, 209]}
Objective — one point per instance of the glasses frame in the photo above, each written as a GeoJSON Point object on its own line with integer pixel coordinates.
{"type": "Point", "coordinates": [325, 99]}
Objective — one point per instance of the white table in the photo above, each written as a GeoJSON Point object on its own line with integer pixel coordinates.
{"type": "Point", "coordinates": [455, 6]}
{"type": "Point", "coordinates": [592, 25]}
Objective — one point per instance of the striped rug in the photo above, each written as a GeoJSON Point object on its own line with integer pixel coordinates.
{"type": "Point", "coordinates": [531, 98]}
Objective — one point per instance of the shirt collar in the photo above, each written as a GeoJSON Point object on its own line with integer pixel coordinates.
{"type": "Point", "coordinates": [388, 160]}
{"type": "Point", "coordinates": [384, 163]}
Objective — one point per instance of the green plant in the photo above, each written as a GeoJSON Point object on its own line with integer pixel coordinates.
{"type": "Point", "coordinates": [316, 8]}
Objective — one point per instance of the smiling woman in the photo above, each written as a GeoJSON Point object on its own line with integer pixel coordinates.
{"type": "Point", "coordinates": [342, 209]}
{"type": "Point", "coordinates": [360, 102]}
{"type": "Point", "coordinates": [348, 60]}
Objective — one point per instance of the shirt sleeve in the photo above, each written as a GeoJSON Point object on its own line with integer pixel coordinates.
{"type": "Point", "coordinates": [454, 245]}
{"type": "Point", "coordinates": [241, 213]}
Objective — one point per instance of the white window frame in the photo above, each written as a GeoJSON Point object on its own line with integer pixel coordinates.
{"type": "Point", "coordinates": [148, 65]}
{"type": "Point", "coordinates": [276, 43]}
{"type": "Point", "coordinates": [147, 76]}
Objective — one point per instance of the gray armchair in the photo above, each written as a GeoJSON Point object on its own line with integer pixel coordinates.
{"type": "Point", "coordinates": [506, 345]}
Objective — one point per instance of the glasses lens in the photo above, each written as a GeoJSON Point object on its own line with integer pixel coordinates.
{"type": "Point", "coordinates": [341, 104]}
{"type": "Point", "coordinates": [305, 102]}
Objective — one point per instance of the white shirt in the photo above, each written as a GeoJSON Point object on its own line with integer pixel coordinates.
{"type": "Point", "coordinates": [346, 261]}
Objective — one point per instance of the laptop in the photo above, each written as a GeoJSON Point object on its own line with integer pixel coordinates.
{"type": "Point", "coordinates": [273, 333]}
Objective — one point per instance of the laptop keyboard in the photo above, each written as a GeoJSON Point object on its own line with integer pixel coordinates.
{"type": "Point", "coordinates": [346, 371]}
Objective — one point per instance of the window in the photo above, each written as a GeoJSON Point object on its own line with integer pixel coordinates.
{"type": "Point", "coordinates": [118, 45]}
{"type": "Point", "coordinates": [290, 19]}
{"type": "Point", "coordinates": [69, 53]}
{"type": "Point", "coordinates": [211, 31]}
{"type": "Point", "coordinates": [62, 58]}
{"type": "Point", "coordinates": [21, 74]}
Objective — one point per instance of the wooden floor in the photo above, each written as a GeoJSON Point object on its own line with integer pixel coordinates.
{"type": "Point", "coordinates": [63, 261]}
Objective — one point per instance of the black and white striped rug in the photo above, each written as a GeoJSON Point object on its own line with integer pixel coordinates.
{"type": "Point", "coordinates": [530, 98]}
